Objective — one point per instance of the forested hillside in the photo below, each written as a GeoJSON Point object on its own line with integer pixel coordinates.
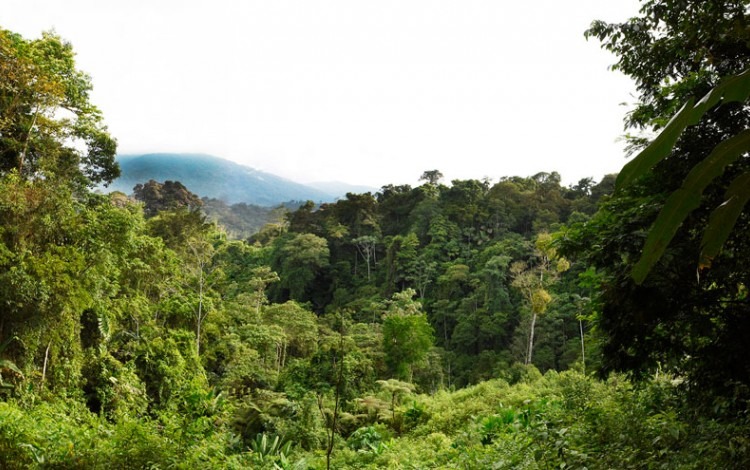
{"type": "Point", "coordinates": [237, 221]}
{"type": "Point", "coordinates": [456, 324]}
{"type": "Point", "coordinates": [215, 178]}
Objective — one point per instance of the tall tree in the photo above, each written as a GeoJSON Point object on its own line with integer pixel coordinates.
{"type": "Point", "coordinates": [533, 282]}
{"type": "Point", "coordinates": [431, 177]}
{"type": "Point", "coordinates": [407, 335]}
{"type": "Point", "coordinates": [262, 276]}
{"type": "Point", "coordinates": [48, 126]}
{"type": "Point", "coordinates": [299, 259]}
{"type": "Point", "coordinates": [202, 275]}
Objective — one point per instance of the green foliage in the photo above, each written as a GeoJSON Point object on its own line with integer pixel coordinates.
{"type": "Point", "coordinates": [147, 339]}
{"type": "Point", "coordinates": [112, 389]}
{"type": "Point", "coordinates": [157, 197]}
{"type": "Point", "coordinates": [298, 260]}
{"type": "Point", "coordinates": [655, 311]}
{"type": "Point", "coordinates": [453, 245]}
{"type": "Point", "coordinates": [557, 421]}
{"type": "Point", "coordinates": [379, 331]}
{"type": "Point", "coordinates": [688, 197]}
{"type": "Point", "coordinates": [407, 335]}
{"type": "Point", "coordinates": [269, 451]}
{"type": "Point", "coordinates": [177, 227]}
{"type": "Point", "coordinates": [47, 125]}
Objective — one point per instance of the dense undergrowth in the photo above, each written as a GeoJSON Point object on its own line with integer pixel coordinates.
{"type": "Point", "coordinates": [559, 420]}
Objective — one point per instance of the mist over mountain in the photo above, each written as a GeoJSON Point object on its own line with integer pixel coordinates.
{"type": "Point", "coordinates": [214, 177]}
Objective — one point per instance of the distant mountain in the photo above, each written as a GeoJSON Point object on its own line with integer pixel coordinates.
{"type": "Point", "coordinates": [339, 189]}
{"type": "Point", "coordinates": [214, 177]}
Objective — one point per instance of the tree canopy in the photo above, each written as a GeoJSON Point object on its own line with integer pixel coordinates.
{"type": "Point", "coordinates": [48, 126]}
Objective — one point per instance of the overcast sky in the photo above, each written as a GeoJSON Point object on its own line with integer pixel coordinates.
{"type": "Point", "coordinates": [367, 92]}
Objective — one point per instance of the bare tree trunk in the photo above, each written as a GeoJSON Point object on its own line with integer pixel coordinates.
{"type": "Point", "coordinates": [200, 314]}
{"type": "Point", "coordinates": [278, 357]}
{"type": "Point", "coordinates": [533, 315]}
{"type": "Point", "coordinates": [22, 155]}
{"type": "Point", "coordinates": [46, 358]}
{"type": "Point", "coordinates": [365, 252]}
{"type": "Point", "coordinates": [531, 339]}
{"type": "Point", "coordinates": [583, 349]}
{"type": "Point", "coordinates": [450, 372]}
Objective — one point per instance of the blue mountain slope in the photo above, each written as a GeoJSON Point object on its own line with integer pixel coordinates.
{"type": "Point", "coordinates": [213, 177]}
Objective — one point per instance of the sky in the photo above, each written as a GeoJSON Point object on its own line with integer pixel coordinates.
{"type": "Point", "coordinates": [360, 91]}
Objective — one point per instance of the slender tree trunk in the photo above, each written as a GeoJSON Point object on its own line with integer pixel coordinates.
{"type": "Point", "coordinates": [531, 339]}
{"type": "Point", "coordinates": [203, 255]}
{"type": "Point", "coordinates": [200, 314]}
{"type": "Point", "coordinates": [533, 315]}
{"type": "Point", "coordinates": [22, 155]}
{"type": "Point", "coordinates": [365, 252]}
{"type": "Point", "coordinates": [278, 357]}
{"type": "Point", "coordinates": [450, 381]}
{"type": "Point", "coordinates": [46, 358]}
{"type": "Point", "coordinates": [319, 397]}
{"type": "Point", "coordinates": [259, 293]}
{"type": "Point", "coordinates": [583, 349]}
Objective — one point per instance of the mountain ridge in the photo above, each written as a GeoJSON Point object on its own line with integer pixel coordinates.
{"type": "Point", "coordinates": [215, 177]}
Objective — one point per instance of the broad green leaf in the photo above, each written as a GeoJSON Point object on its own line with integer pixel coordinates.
{"type": "Point", "coordinates": [658, 149]}
{"type": "Point", "coordinates": [732, 89]}
{"type": "Point", "coordinates": [713, 165]}
{"type": "Point", "coordinates": [679, 204]}
{"type": "Point", "coordinates": [686, 199]}
{"type": "Point", "coordinates": [723, 218]}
